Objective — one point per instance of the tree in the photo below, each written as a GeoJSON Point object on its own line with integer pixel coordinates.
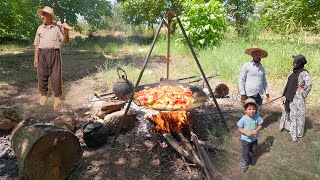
{"type": "Point", "coordinates": [239, 13]}
{"type": "Point", "coordinates": [18, 18]}
{"type": "Point", "coordinates": [148, 12]}
{"type": "Point", "coordinates": [95, 12]}
{"type": "Point", "coordinates": [205, 23]}
{"type": "Point", "coordinates": [291, 16]}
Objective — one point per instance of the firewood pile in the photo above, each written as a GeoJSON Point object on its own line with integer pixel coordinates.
{"type": "Point", "coordinates": [176, 129]}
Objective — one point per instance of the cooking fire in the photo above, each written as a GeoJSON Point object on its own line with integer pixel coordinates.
{"type": "Point", "coordinates": [171, 122]}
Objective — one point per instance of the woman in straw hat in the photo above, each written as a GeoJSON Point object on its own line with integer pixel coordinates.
{"type": "Point", "coordinates": [47, 58]}
{"type": "Point", "coordinates": [297, 89]}
{"type": "Point", "coordinates": [252, 79]}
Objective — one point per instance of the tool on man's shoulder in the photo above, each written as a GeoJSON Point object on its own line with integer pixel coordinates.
{"type": "Point", "coordinates": [270, 101]}
{"type": "Point", "coordinates": [65, 25]}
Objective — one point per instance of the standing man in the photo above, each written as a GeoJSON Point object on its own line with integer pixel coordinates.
{"type": "Point", "coordinates": [252, 79]}
{"type": "Point", "coordinates": [47, 57]}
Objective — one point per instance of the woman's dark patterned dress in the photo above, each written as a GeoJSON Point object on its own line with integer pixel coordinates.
{"type": "Point", "coordinates": [294, 120]}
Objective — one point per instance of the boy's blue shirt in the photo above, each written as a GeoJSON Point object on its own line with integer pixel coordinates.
{"type": "Point", "coordinates": [250, 125]}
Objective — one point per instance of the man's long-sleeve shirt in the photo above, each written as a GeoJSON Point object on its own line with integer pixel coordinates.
{"type": "Point", "coordinates": [252, 80]}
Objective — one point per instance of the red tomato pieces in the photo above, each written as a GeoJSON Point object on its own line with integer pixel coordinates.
{"type": "Point", "coordinates": [165, 97]}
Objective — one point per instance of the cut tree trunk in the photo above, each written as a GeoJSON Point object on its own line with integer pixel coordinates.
{"type": "Point", "coordinates": [44, 151]}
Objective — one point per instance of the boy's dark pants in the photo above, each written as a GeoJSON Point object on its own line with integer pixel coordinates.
{"type": "Point", "coordinates": [49, 66]}
{"type": "Point", "coordinates": [246, 148]}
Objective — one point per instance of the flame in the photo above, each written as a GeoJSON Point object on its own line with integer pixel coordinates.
{"type": "Point", "coordinates": [169, 122]}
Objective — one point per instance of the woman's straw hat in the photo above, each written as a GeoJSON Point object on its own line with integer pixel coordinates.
{"type": "Point", "coordinates": [49, 10]}
{"type": "Point", "coordinates": [256, 48]}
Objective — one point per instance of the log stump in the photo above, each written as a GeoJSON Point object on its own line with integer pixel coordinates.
{"type": "Point", "coordinates": [44, 151]}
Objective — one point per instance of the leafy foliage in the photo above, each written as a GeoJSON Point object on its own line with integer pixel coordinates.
{"type": "Point", "coordinates": [148, 12]}
{"type": "Point", "coordinates": [204, 22]}
{"type": "Point", "coordinates": [239, 13]}
{"type": "Point", "coordinates": [95, 12]}
{"type": "Point", "coordinates": [18, 18]}
{"type": "Point", "coordinates": [116, 21]}
{"type": "Point", "coordinates": [143, 12]}
{"type": "Point", "coordinates": [287, 16]}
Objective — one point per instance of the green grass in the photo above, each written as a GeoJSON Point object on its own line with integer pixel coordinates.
{"type": "Point", "coordinates": [224, 60]}
{"type": "Point", "coordinates": [281, 159]}
{"type": "Point", "coordinates": [8, 45]}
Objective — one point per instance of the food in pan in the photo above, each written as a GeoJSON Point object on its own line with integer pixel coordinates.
{"type": "Point", "coordinates": [165, 97]}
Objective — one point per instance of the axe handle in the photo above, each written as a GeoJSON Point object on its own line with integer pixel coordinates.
{"type": "Point", "coordinates": [270, 101]}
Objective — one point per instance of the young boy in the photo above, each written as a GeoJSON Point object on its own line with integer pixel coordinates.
{"type": "Point", "coordinates": [249, 126]}
{"type": "Point", "coordinates": [47, 57]}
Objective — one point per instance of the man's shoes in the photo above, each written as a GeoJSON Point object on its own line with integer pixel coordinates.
{"type": "Point", "coordinates": [57, 103]}
{"type": "Point", "coordinates": [43, 100]}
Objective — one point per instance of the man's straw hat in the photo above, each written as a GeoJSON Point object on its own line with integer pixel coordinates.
{"type": "Point", "coordinates": [49, 10]}
{"type": "Point", "coordinates": [256, 48]}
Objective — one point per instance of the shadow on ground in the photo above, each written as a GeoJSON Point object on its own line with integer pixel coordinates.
{"type": "Point", "coordinates": [20, 92]}
{"type": "Point", "coordinates": [264, 147]}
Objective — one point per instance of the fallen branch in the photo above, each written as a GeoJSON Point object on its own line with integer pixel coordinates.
{"type": "Point", "coordinates": [209, 168]}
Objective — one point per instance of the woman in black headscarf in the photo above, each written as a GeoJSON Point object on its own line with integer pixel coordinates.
{"type": "Point", "coordinates": [297, 89]}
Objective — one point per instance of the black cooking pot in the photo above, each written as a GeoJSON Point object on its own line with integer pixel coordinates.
{"type": "Point", "coordinates": [122, 88]}
{"type": "Point", "coordinates": [94, 134]}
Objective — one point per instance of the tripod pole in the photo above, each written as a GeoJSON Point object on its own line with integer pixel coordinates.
{"type": "Point", "coordinates": [168, 47]}
{"type": "Point", "coordinates": [137, 84]}
{"type": "Point", "coordinates": [202, 73]}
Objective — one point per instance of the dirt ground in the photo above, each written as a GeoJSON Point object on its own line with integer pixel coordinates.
{"type": "Point", "coordinates": [140, 154]}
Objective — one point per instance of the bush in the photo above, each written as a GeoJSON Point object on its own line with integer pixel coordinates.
{"type": "Point", "coordinates": [205, 23]}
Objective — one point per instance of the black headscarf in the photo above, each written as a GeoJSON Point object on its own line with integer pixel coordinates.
{"type": "Point", "coordinates": [292, 83]}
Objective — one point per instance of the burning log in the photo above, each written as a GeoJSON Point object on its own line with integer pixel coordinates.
{"type": "Point", "coordinates": [189, 148]}
{"type": "Point", "coordinates": [190, 155]}
{"type": "Point", "coordinates": [173, 123]}
{"type": "Point", "coordinates": [176, 146]}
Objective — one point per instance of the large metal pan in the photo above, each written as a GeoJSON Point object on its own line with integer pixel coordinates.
{"type": "Point", "coordinates": [199, 96]}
